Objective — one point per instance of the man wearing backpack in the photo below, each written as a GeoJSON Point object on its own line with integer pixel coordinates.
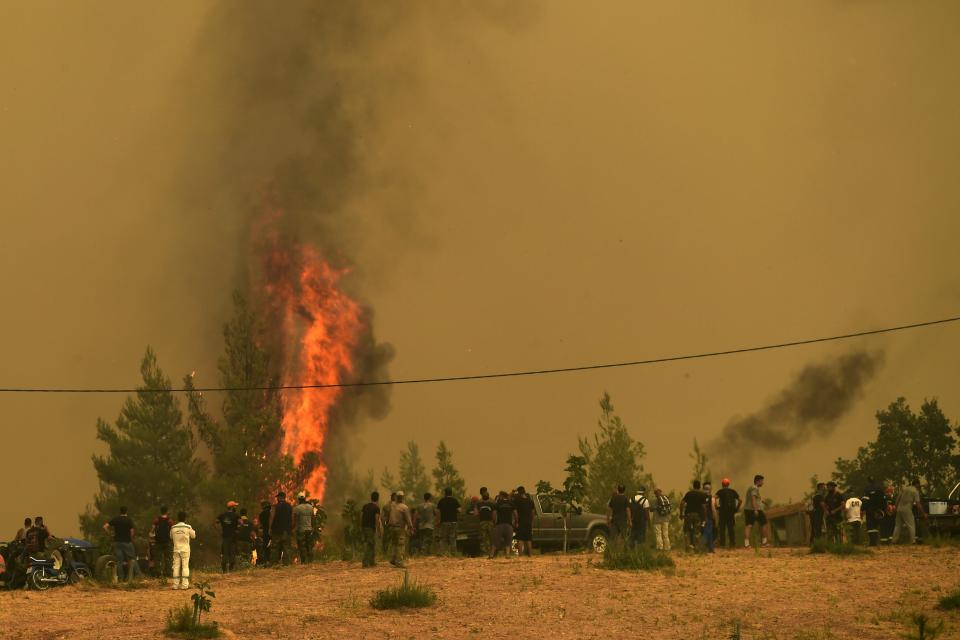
{"type": "Point", "coordinates": [661, 519]}
{"type": "Point", "coordinates": [728, 503]}
{"type": "Point", "coordinates": [639, 517]}
{"type": "Point", "coordinates": [160, 549]}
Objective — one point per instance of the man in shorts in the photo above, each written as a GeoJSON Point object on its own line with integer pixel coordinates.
{"type": "Point", "coordinates": [506, 520]}
{"type": "Point", "coordinates": [753, 513]}
{"type": "Point", "coordinates": [525, 513]}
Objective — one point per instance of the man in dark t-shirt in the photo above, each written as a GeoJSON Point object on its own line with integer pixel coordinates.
{"type": "Point", "coordinates": [817, 512]}
{"type": "Point", "coordinates": [123, 535]}
{"type": "Point", "coordinates": [484, 512]}
{"type": "Point", "coordinates": [525, 513]}
{"type": "Point", "coordinates": [694, 510]}
{"type": "Point", "coordinates": [281, 526]}
{"type": "Point", "coordinates": [227, 523]}
{"type": "Point", "coordinates": [370, 526]}
{"type": "Point", "coordinates": [263, 541]}
{"type": "Point", "coordinates": [728, 503]}
{"type": "Point", "coordinates": [449, 507]}
{"type": "Point", "coordinates": [833, 510]}
{"type": "Point", "coordinates": [618, 513]}
{"type": "Point", "coordinates": [506, 520]}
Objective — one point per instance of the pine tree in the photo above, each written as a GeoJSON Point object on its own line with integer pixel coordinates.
{"type": "Point", "coordinates": [701, 471]}
{"type": "Point", "coordinates": [446, 475]}
{"type": "Point", "coordinates": [150, 460]}
{"type": "Point", "coordinates": [413, 473]}
{"type": "Point", "coordinates": [245, 445]}
{"type": "Point", "coordinates": [388, 481]}
{"type": "Point", "coordinates": [613, 458]}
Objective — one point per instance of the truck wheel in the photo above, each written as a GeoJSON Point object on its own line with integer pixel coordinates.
{"type": "Point", "coordinates": [104, 569]}
{"type": "Point", "coordinates": [598, 540]}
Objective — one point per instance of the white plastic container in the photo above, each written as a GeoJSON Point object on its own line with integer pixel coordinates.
{"type": "Point", "coordinates": [937, 508]}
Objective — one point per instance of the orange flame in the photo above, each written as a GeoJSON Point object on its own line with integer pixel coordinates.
{"type": "Point", "coordinates": [323, 323]}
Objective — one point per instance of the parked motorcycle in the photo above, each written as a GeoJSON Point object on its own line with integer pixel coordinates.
{"type": "Point", "coordinates": [66, 565]}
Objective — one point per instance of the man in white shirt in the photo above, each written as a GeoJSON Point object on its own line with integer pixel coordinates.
{"type": "Point", "coordinates": [852, 511]}
{"type": "Point", "coordinates": [180, 536]}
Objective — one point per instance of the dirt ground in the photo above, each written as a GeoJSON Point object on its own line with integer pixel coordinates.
{"type": "Point", "coordinates": [783, 593]}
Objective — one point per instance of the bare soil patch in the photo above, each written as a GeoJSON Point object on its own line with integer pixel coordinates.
{"type": "Point", "coordinates": [783, 593]}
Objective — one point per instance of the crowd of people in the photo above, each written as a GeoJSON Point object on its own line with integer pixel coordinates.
{"type": "Point", "coordinates": [707, 517]}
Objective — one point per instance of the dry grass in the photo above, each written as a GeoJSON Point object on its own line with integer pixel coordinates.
{"type": "Point", "coordinates": [784, 595]}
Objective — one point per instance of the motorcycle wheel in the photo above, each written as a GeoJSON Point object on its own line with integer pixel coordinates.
{"type": "Point", "coordinates": [36, 580]}
{"type": "Point", "coordinates": [104, 569]}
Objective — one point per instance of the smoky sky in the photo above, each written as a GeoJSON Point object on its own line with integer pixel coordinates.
{"type": "Point", "coordinates": [810, 406]}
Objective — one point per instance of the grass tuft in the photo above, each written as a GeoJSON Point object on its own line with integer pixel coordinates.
{"type": "Point", "coordinates": [180, 623]}
{"type": "Point", "coordinates": [822, 545]}
{"type": "Point", "coordinates": [950, 601]}
{"type": "Point", "coordinates": [636, 558]}
{"type": "Point", "coordinates": [409, 594]}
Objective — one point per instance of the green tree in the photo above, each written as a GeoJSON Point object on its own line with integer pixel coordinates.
{"type": "Point", "coordinates": [446, 475]}
{"type": "Point", "coordinates": [413, 473]}
{"type": "Point", "coordinates": [245, 444]}
{"type": "Point", "coordinates": [150, 456]}
{"type": "Point", "coordinates": [613, 457]}
{"type": "Point", "coordinates": [908, 445]}
{"type": "Point", "coordinates": [388, 481]}
{"type": "Point", "coordinates": [544, 487]}
{"type": "Point", "coordinates": [701, 471]}
{"type": "Point", "coordinates": [575, 484]}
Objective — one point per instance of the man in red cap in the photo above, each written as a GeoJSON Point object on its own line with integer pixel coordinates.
{"type": "Point", "coordinates": [227, 523]}
{"type": "Point", "coordinates": [728, 503]}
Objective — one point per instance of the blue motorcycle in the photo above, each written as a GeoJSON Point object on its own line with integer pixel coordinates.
{"type": "Point", "coordinates": [66, 565]}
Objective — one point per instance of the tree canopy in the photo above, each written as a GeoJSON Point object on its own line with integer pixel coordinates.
{"type": "Point", "coordinates": [446, 475]}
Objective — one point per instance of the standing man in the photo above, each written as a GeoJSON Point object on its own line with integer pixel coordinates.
{"type": "Point", "coordinates": [484, 513]}
{"type": "Point", "coordinates": [818, 512]}
{"type": "Point", "coordinates": [427, 516]}
{"type": "Point", "coordinates": [245, 538]}
{"type": "Point", "coordinates": [160, 533]}
{"type": "Point", "coordinates": [385, 540]}
{"type": "Point", "coordinates": [370, 526]}
{"type": "Point", "coordinates": [693, 506]}
{"type": "Point", "coordinates": [22, 532]}
{"type": "Point", "coordinates": [525, 510]}
{"type": "Point", "coordinates": [181, 534]}
{"type": "Point", "coordinates": [281, 526]}
{"type": "Point", "coordinates": [888, 522]}
{"type": "Point", "coordinates": [833, 510]}
{"type": "Point", "coordinates": [639, 517]}
{"type": "Point", "coordinates": [506, 519]}
{"type": "Point", "coordinates": [618, 514]}
{"type": "Point", "coordinates": [227, 524]}
{"type": "Point", "coordinates": [728, 503]}
{"type": "Point", "coordinates": [710, 523]}
{"type": "Point", "coordinates": [661, 519]}
{"type": "Point", "coordinates": [874, 503]}
{"type": "Point", "coordinates": [449, 508]}
{"type": "Point", "coordinates": [123, 534]}
{"type": "Point", "coordinates": [303, 520]}
{"type": "Point", "coordinates": [909, 498]}
{"type": "Point", "coordinates": [401, 526]}
{"type": "Point", "coordinates": [852, 511]}
{"type": "Point", "coordinates": [753, 513]}
{"type": "Point", "coordinates": [263, 547]}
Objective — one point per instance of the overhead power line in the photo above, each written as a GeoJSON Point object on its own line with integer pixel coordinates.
{"type": "Point", "coordinates": [510, 374]}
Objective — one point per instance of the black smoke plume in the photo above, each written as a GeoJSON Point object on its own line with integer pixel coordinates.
{"type": "Point", "coordinates": [811, 406]}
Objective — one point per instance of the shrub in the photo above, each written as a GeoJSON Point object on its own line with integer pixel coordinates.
{"type": "Point", "coordinates": [408, 594]}
{"type": "Point", "coordinates": [180, 623]}
{"type": "Point", "coordinates": [950, 601]}
{"type": "Point", "coordinates": [637, 557]}
{"type": "Point", "coordinates": [822, 545]}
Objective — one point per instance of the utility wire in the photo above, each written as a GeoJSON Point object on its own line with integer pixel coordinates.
{"type": "Point", "coordinates": [508, 374]}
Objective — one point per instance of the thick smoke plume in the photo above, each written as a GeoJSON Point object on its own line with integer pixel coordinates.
{"type": "Point", "coordinates": [812, 405]}
{"type": "Point", "coordinates": [289, 102]}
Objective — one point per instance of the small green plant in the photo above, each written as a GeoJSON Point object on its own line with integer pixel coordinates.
{"type": "Point", "coordinates": [822, 545]}
{"type": "Point", "coordinates": [201, 600]}
{"type": "Point", "coordinates": [736, 634]}
{"type": "Point", "coordinates": [409, 594]}
{"type": "Point", "coordinates": [950, 601]}
{"type": "Point", "coordinates": [180, 622]}
{"type": "Point", "coordinates": [638, 557]}
{"type": "Point", "coordinates": [924, 630]}
{"type": "Point", "coordinates": [575, 568]}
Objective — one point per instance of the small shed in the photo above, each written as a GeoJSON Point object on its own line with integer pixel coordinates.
{"type": "Point", "coordinates": [789, 524]}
